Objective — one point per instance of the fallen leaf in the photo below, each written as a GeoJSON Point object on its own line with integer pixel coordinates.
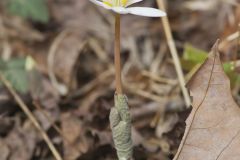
{"type": "Point", "coordinates": [72, 129]}
{"type": "Point", "coordinates": [22, 141]}
{"type": "Point", "coordinates": [36, 10]}
{"type": "Point", "coordinates": [4, 150]}
{"type": "Point", "coordinates": [212, 131]}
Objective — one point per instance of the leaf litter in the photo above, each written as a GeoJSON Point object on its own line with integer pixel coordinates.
{"type": "Point", "coordinates": [82, 114]}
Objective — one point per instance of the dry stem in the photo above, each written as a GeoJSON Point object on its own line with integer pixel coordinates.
{"type": "Point", "coordinates": [174, 53]}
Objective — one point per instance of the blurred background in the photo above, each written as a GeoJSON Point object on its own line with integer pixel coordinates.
{"type": "Point", "coordinates": [58, 57]}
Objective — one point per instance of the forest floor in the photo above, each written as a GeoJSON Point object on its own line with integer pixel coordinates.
{"type": "Point", "coordinates": [70, 90]}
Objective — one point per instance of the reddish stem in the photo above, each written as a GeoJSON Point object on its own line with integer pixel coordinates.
{"type": "Point", "coordinates": [117, 56]}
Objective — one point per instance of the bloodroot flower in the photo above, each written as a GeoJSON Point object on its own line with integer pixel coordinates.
{"type": "Point", "coordinates": [122, 7]}
{"type": "Point", "coordinates": [120, 119]}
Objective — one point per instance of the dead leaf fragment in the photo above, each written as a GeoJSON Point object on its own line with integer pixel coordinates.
{"type": "Point", "coordinates": [212, 131]}
{"type": "Point", "coordinates": [4, 150]}
{"type": "Point", "coordinates": [72, 128]}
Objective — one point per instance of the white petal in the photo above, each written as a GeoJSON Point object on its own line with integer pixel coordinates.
{"type": "Point", "coordinates": [120, 10]}
{"type": "Point", "coordinates": [101, 4]}
{"type": "Point", "coordinates": [130, 2]}
{"type": "Point", "coordinates": [146, 11]}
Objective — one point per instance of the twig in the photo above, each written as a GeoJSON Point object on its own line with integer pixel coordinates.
{"type": "Point", "coordinates": [62, 89]}
{"type": "Point", "coordinates": [157, 78]}
{"type": "Point", "coordinates": [237, 63]}
{"type": "Point", "coordinates": [23, 106]}
{"type": "Point", "coordinates": [237, 48]}
{"type": "Point", "coordinates": [143, 93]}
{"type": "Point", "coordinates": [174, 53]}
{"type": "Point", "coordinates": [98, 50]}
{"type": "Point", "coordinates": [5, 48]}
{"type": "Point", "coordinates": [233, 36]}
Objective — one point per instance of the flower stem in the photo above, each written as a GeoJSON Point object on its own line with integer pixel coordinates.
{"type": "Point", "coordinates": [117, 56]}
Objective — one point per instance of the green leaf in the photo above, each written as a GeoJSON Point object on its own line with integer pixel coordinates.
{"type": "Point", "coordinates": [228, 67]}
{"type": "Point", "coordinates": [188, 65]}
{"type": "Point", "coordinates": [232, 74]}
{"type": "Point", "coordinates": [14, 71]}
{"type": "Point", "coordinates": [193, 56]}
{"type": "Point", "coordinates": [18, 79]}
{"type": "Point", "coordinates": [35, 10]}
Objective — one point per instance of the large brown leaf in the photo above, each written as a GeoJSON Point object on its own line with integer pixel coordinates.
{"type": "Point", "coordinates": [213, 130]}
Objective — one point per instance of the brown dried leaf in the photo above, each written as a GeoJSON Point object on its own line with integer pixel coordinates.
{"type": "Point", "coordinates": [21, 141]}
{"type": "Point", "coordinates": [73, 129]}
{"type": "Point", "coordinates": [4, 150]}
{"type": "Point", "coordinates": [212, 131]}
